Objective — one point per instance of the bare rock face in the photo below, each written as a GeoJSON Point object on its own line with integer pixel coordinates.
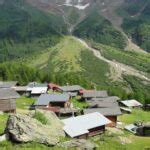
{"type": "Point", "coordinates": [80, 144]}
{"type": "Point", "coordinates": [22, 128]}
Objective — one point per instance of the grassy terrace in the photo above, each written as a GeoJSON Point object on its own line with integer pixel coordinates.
{"type": "Point", "coordinates": [137, 115]}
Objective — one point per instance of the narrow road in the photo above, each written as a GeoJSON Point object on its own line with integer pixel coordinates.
{"type": "Point", "coordinates": [117, 69]}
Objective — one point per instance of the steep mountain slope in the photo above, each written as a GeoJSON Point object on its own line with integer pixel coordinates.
{"type": "Point", "coordinates": [136, 21]}
{"type": "Point", "coordinates": [98, 29]}
{"type": "Point", "coordinates": [22, 25]}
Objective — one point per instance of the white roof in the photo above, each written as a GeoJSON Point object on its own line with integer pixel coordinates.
{"type": "Point", "coordinates": [131, 103]}
{"type": "Point", "coordinates": [39, 90]}
{"type": "Point", "coordinates": [76, 126]}
{"type": "Point", "coordinates": [131, 127]}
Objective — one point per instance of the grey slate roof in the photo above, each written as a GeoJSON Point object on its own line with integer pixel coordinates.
{"type": "Point", "coordinates": [114, 111]}
{"type": "Point", "coordinates": [36, 84]}
{"type": "Point", "coordinates": [71, 88]}
{"type": "Point", "coordinates": [95, 94]}
{"type": "Point", "coordinates": [8, 94]}
{"type": "Point", "coordinates": [102, 104]}
{"type": "Point", "coordinates": [107, 99]}
{"type": "Point", "coordinates": [44, 99]}
{"type": "Point", "coordinates": [7, 84]}
{"type": "Point", "coordinates": [20, 88]}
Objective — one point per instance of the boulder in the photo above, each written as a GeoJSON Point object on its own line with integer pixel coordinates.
{"type": "Point", "coordinates": [23, 128]}
{"type": "Point", "coordinates": [55, 123]}
{"type": "Point", "coordinates": [80, 144]}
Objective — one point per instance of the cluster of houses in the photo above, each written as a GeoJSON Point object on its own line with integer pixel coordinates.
{"type": "Point", "coordinates": [102, 109]}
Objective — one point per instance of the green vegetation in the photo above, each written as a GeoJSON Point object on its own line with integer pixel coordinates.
{"type": "Point", "coordinates": [25, 29]}
{"type": "Point", "coordinates": [136, 116]}
{"type": "Point", "coordinates": [40, 117]}
{"type": "Point", "coordinates": [137, 60]}
{"type": "Point", "coordinates": [100, 30]}
{"type": "Point", "coordinates": [70, 62]}
{"type": "Point", "coordinates": [3, 121]}
{"type": "Point", "coordinates": [136, 22]}
{"type": "Point", "coordinates": [23, 146]}
{"type": "Point", "coordinates": [79, 104]}
{"type": "Point", "coordinates": [24, 102]}
{"type": "Point", "coordinates": [18, 72]}
{"type": "Point", "coordinates": [140, 89]}
{"type": "Point", "coordinates": [114, 142]}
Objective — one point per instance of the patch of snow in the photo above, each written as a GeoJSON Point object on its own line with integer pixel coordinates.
{"type": "Point", "coordinates": [81, 7]}
{"type": "Point", "coordinates": [78, 6]}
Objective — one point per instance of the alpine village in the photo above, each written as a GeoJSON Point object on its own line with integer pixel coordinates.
{"type": "Point", "coordinates": [75, 74]}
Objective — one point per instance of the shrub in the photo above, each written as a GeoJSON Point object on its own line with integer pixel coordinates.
{"type": "Point", "coordinates": [40, 117]}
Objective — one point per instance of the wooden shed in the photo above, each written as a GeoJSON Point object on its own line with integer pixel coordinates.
{"type": "Point", "coordinates": [8, 100]}
{"type": "Point", "coordinates": [85, 125]}
{"type": "Point", "coordinates": [53, 101]}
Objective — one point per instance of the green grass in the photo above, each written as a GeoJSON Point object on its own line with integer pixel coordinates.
{"type": "Point", "coordinates": [79, 104]}
{"type": "Point", "coordinates": [40, 117]}
{"type": "Point", "coordinates": [6, 145]}
{"type": "Point", "coordinates": [136, 115]}
{"type": "Point", "coordinates": [24, 102]}
{"type": "Point", "coordinates": [3, 121]}
{"type": "Point", "coordinates": [65, 53]}
{"type": "Point", "coordinates": [112, 142]}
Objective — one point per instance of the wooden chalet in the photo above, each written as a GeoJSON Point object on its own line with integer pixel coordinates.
{"type": "Point", "coordinates": [53, 102]}
{"type": "Point", "coordinates": [85, 125]}
{"type": "Point", "coordinates": [8, 100]}
{"type": "Point", "coordinates": [131, 103]}
{"type": "Point", "coordinates": [36, 89]}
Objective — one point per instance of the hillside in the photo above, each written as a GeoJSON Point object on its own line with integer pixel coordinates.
{"type": "Point", "coordinates": [136, 20]}
{"type": "Point", "coordinates": [42, 43]}
{"type": "Point", "coordinates": [24, 29]}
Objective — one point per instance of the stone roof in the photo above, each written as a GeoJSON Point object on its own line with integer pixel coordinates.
{"type": "Point", "coordinates": [7, 84]}
{"type": "Point", "coordinates": [95, 94]}
{"type": "Point", "coordinates": [113, 111]}
{"type": "Point", "coordinates": [71, 88]}
{"type": "Point", "coordinates": [8, 94]}
{"type": "Point", "coordinates": [45, 99]}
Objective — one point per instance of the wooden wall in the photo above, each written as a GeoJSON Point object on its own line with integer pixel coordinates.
{"type": "Point", "coordinates": [7, 105]}
{"type": "Point", "coordinates": [113, 120]}
{"type": "Point", "coordinates": [96, 131]}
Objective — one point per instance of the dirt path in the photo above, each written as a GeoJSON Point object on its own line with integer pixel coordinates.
{"type": "Point", "coordinates": [117, 69]}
